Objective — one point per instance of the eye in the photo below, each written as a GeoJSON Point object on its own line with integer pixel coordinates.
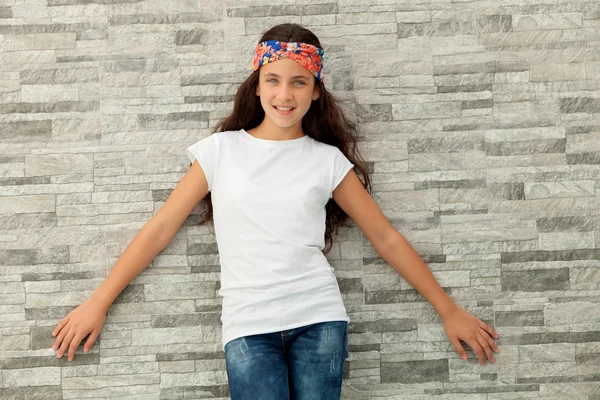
{"type": "Point", "coordinates": [273, 79]}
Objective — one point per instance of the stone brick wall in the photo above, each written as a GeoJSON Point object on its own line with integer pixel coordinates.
{"type": "Point", "coordinates": [480, 121]}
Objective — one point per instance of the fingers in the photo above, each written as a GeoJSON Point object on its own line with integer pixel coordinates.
{"type": "Point", "coordinates": [483, 345]}
{"type": "Point", "coordinates": [68, 338]}
{"type": "Point", "coordinates": [61, 335]}
{"type": "Point", "coordinates": [482, 348]}
{"type": "Point", "coordinates": [488, 329]}
{"type": "Point", "coordinates": [74, 345]}
{"type": "Point", "coordinates": [490, 341]}
{"type": "Point", "coordinates": [58, 332]}
{"type": "Point", "coordinates": [458, 347]}
{"type": "Point", "coordinates": [476, 347]}
{"type": "Point", "coordinates": [91, 340]}
{"type": "Point", "coordinates": [63, 347]}
{"type": "Point", "coordinates": [60, 326]}
{"type": "Point", "coordinates": [486, 348]}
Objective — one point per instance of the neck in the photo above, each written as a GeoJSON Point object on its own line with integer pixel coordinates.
{"type": "Point", "coordinates": [270, 131]}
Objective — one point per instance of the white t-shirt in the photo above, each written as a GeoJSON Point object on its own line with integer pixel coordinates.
{"type": "Point", "coordinates": [269, 201]}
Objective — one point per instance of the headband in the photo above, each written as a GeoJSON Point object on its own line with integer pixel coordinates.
{"type": "Point", "coordinates": [307, 55]}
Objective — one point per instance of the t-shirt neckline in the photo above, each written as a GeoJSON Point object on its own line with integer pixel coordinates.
{"type": "Point", "coordinates": [273, 143]}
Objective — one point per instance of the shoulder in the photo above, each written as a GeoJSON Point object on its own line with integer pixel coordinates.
{"type": "Point", "coordinates": [331, 153]}
{"type": "Point", "coordinates": [217, 138]}
{"type": "Point", "coordinates": [325, 148]}
{"type": "Point", "coordinates": [224, 135]}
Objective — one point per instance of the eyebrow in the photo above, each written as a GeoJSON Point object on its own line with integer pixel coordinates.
{"type": "Point", "coordinates": [293, 77]}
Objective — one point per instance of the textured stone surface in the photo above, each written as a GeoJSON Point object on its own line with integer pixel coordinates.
{"type": "Point", "coordinates": [479, 122]}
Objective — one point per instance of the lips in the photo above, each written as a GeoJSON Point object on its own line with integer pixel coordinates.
{"type": "Point", "coordinates": [284, 112]}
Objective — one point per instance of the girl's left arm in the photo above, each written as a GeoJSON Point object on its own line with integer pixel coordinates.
{"type": "Point", "coordinates": [459, 324]}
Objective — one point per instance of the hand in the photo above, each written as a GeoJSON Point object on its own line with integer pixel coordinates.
{"type": "Point", "coordinates": [86, 319]}
{"type": "Point", "coordinates": [461, 325]}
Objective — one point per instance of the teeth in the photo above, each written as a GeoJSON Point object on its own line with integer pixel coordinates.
{"type": "Point", "coordinates": [283, 108]}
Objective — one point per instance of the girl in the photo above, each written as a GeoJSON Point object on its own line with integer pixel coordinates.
{"type": "Point", "coordinates": [280, 170]}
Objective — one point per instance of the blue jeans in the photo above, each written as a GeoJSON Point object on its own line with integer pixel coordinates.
{"type": "Point", "coordinates": [305, 363]}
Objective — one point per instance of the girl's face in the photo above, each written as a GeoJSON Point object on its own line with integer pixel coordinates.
{"type": "Point", "coordinates": [285, 83]}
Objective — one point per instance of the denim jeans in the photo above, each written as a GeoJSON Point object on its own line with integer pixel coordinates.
{"type": "Point", "coordinates": [305, 363]}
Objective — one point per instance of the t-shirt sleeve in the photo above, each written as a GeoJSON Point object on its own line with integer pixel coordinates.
{"type": "Point", "coordinates": [206, 151]}
{"type": "Point", "coordinates": [341, 166]}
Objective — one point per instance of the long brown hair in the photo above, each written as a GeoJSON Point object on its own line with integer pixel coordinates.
{"type": "Point", "coordinates": [324, 121]}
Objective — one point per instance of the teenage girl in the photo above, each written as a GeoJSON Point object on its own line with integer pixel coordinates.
{"type": "Point", "coordinates": [277, 178]}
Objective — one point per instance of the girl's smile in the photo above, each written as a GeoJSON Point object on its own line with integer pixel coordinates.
{"type": "Point", "coordinates": [284, 111]}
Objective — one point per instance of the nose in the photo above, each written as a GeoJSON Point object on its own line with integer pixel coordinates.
{"type": "Point", "coordinates": [285, 92]}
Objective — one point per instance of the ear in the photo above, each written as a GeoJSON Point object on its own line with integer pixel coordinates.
{"type": "Point", "coordinates": [316, 93]}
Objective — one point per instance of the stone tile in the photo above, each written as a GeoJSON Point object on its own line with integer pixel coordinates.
{"type": "Point", "coordinates": [277, 10]}
{"type": "Point", "coordinates": [592, 359]}
{"type": "Point", "coordinates": [519, 318]}
{"type": "Point", "coordinates": [207, 378]}
{"type": "Point", "coordinates": [583, 158]}
{"type": "Point", "coordinates": [22, 221]}
{"type": "Point", "coordinates": [583, 142]}
{"type": "Point", "coordinates": [565, 390]}
{"type": "Point", "coordinates": [387, 325]}
{"type": "Point", "coordinates": [571, 313]}
{"type": "Point", "coordinates": [374, 112]}
{"type": "Point", "coordinates": [197, 37]}
{"type": "Point", "coordinates": [536, 280]}
{"type": "Point", "coordinates": [190, 391]}
{"type": "Point", "coordinates": [104, 381]}
{"type": "Point", "coordinates": [28, 204]}
{"type": "Point", "coordinates": [566, 240]}
{"type": "Point", "coordinates": [168, 321]}
{"type": "Point", "coordinates": [557, 72]}
{"type": "Point", "coordinates": [459, 184]}
{"type": "Point", "coordinates": [570, 105]}
{"type": "Point", "coordinates": [556, 352]}
{"type": "Point", "coordinates": [493, 230]}
{"type": "Point", "coordinates": [408, 201]}
{"type": "Point", "coordinates": [183, 290]}
{"type": "Point", "coordinates": [395, 296]}
{"type": "Point", "coordinates": [40, 392]}
{"type": "Point", "coordinates": [583, 276]}
{"type": "Point", "coordinates": [509, 390]}
{"type": "Point", "coordinates": [508, 191]}
{"type": "Point", "coordinates": [408, 111]}
{"type": "Point", "coordinates": [40, 376]}
{"type": "Point", "coordinates": [495, 23]}
{"type": "Point", "coordinates": [441, 145]}
{"type": "Point", "coordinates": [445, 28]}
{"type": "Point", "coordinates": [5, 12]}
{"type": "Point", "coordinates": [547, 21]}
{"type": "Point", "coordinates": [436, 162]}
{"type": "Point", "coordinates": [413, 16]}
{"type": "Point", "coordinates": [415, 371]}
{"type": "Point", "coordinates": [559, 255]}
{"type": "Point", "coordinates": [526, 147]}
{"type": "Point", "coordinates": [549, 337]}
{"type": "Point", "coordinates": [57, 255]}
{"type": "Point", "coordinates": [58, 164]}
{"type": "Point", "coordinates": [538, 190]}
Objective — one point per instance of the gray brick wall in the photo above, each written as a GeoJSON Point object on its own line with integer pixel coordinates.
{"type": "Point", "coordinates": [481, 124]}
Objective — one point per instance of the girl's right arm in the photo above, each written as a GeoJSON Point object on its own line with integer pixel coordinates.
{"type": "Point", "coordinates": [157, 233]}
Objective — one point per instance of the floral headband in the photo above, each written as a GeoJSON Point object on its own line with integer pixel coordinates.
{"type": "Point", "coordinates": [307, 55]}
